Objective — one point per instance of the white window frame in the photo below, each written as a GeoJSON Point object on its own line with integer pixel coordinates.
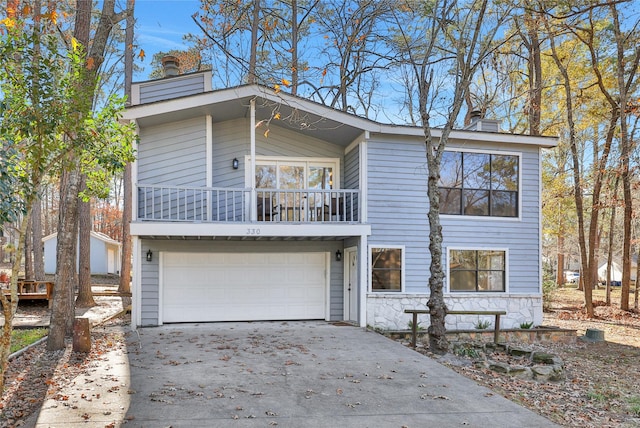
{"type": "Point", "coordinates": [488, 217]}
{"type": "Point", "coordinates": [403, 268]}
{"type": "Point", "coordinates": [475, 293]}
{"type": "Point", "coordinates": [285, 160]}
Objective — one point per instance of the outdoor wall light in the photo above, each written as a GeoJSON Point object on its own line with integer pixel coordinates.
{"type": "Point", "coordinates": [149, 256]}
{"type": "Point", "coordinates": [235, 163]}
{"type": "Point", "coordinates": [338, 255]}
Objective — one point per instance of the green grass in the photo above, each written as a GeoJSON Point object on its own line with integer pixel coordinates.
{"type": "Point", "coordinates": [634, 405]}
{"type": "Point", "coordinates": [21, 338]}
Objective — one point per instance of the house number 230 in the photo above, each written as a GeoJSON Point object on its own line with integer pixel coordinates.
{"type": "Point", "coordinates": [252, 231]}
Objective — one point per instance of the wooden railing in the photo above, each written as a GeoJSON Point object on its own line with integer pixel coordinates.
{"type": "Point", "coordinates": [32, 290]}
{"type": "Point", "coordinates": [415, 312]}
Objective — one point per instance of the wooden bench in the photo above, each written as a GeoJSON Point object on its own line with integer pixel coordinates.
{"type": "Point", "coordinates": [415, 312]}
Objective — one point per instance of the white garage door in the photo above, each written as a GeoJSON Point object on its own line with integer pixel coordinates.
{"type": "Point", "coordinates": [243, 286]}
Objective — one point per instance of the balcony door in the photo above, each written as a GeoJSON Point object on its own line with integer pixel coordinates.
{"type": "Point", "coordinates": [299, 189]}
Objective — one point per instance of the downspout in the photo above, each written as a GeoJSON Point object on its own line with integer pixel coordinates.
{"type": "Point", "coordinates": [252, 172]}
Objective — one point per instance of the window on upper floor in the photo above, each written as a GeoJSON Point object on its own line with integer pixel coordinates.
{"type": "Point", "coordinates": [386, 269]}
{"type": "Point", "coordinates": [477, 270]}
{"type": "Point", "coordinates": [479, 184]}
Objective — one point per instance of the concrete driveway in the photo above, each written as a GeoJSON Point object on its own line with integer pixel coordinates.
{"type": "Point", "coordinates": [300, 374]}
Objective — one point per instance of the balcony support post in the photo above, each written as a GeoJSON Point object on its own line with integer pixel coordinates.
{"type": "Point", "coordinates": [252, 171]}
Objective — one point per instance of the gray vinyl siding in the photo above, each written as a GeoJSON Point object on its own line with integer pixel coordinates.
{"type": "Point", "coordinates": [151, 275]}
{"type": "Point", "coordinates": [231, 140]}
{"type": "Point", "coordinates": [352, 169]}
{"type": "Point", "coordinates": [150, 298]}
{"type": "Point", "coordinates": [173, 154]}
{"type": "Point", "coordinates": [166, 89]}
{"type": "Point", "coordinates": [398, 206]}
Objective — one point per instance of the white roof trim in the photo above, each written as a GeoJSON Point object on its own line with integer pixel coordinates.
{"type": "Point", "coordinates": [253, 91]}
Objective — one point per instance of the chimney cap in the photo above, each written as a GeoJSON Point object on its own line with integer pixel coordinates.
{"type": "Point", "coordinates": [475, 114]}
{"type": "Point", "coordinates": [170, 65]}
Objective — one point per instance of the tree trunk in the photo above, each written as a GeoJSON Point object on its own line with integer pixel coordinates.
{"type": "Point", "coordinates": [437, 306]}
{"type": "Point", "coordinates": [125, 263]}
{"type": "Point", "coordinates": [9, 308]}
{"type": "Point", "coordinates": [62, 310]}
{"type": "Point", "coordinates": [36, 235]}
{"type": "Point", "coordinates": [294, 47]}
{"type": "Point", "coordinates": [28, 254]}
{"type": "Point", "coordinates": [625, 153]}
{"type": "Point", "coordinates": [637, 284]}
{"type": "Point", "coordinates": [85, 296]}
{"type": "Point", "coordinates": [560, 278]}
{"type": "Point", "coordinates": [255, 27]}
{"type": "Point", "coordinates": [577, 179]}
{"type": "Point", "coordinates": [535, 71]}
{"type": "Point", "coordinates": [612, 223]}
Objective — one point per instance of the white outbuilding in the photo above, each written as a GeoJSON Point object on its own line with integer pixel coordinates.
{"type": "Point", "coordinates": [105, 254]}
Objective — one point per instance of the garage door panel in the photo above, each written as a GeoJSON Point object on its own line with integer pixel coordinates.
{"type": "Point", "coordinates": [243, 286]}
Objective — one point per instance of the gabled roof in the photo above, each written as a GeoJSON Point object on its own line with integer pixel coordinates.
{"type": "Point", "coordinates": [299, 114]}
{"type": "Point", "coordinates": [98, 235]}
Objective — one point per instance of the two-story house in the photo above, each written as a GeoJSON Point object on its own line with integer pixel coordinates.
{"type": "Point", "coordinates": [252, 204]}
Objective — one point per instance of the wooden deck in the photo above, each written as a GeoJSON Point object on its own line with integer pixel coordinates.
{"type": "Point", "coordinates": [33, 290]}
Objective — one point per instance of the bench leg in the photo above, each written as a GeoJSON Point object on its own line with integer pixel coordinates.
{"type": "Point", "coordinates": [496, 332]}
{"type": "Point", "coordinates": [414, 330]}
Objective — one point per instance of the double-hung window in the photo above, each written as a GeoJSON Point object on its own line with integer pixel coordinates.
{"type": "Point", "coordinates": [477, 270]}
{"type": "Point", "coordinates": [386, 269]}
{"type": "Point", "coordinates": [479, 184]}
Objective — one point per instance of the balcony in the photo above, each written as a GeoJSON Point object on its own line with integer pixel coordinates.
{"type": "Point", "coordinates": [229, 205]}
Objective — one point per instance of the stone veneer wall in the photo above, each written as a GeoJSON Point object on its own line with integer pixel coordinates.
{"type": "Point", "coordinates": [386, 311]}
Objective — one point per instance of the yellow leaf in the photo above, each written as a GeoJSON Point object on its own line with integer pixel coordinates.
{"type": "Point", "coordinates": [74, 44]}
{"type": "Point", "coordinates": [285, 82]}
{"type": "Point", "coordinates": [266, 134]}
{"type": "Point", "coordinates": [276, 88]}
{"type": "Point", "coordinates": [9, 23]}
{"type": "Point", "coordinates": [277, 116]}
{"type": "Point", "coordinates": [141, 54]}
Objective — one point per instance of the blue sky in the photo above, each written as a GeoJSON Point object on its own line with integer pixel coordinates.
{"type": "Point", "coordinates": [160, 27]}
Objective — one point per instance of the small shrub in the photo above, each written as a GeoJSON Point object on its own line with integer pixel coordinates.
{"type": "Point", "coordinates": [483, 324]}
{"type": "Point", "coordinates": [526, 325]}
{"type": "Point", "coordinates": [466, 351]}
{"type": "Point", "coordinates": [548, 287]}
{"type": "Point", "coordinates": [418, 327]}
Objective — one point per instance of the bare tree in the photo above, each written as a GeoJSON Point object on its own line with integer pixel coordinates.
{"type": "Point", "coordinates": [459, 36]}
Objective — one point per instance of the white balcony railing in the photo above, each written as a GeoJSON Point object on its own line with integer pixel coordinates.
{"type": "Point", "coordinates": [213, 204]}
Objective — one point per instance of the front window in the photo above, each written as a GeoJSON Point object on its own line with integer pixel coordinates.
{"type": "Point", "coordinates": [477, 270]}
{"type": "Point", "coordinates": [386, 269]}
{"type": "Point", "coordinates": [479, 184]}
{"type": "Point", "coordinates": [299, 189]}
